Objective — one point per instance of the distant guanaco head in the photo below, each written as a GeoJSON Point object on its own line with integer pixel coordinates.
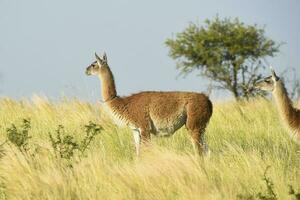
{"type": "Point", "coordinates": [98, 66]}
{"type": "Point", "coordinates": [268, 83]}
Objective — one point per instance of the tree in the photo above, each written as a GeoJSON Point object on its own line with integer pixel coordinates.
{"type": "Point", "coordinates": [226, 51]}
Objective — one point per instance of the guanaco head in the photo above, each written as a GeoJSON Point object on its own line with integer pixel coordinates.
{"type": "Point", "coordinates": [268, 83]}
{"type": "Point", "coordinates": [98, 66]}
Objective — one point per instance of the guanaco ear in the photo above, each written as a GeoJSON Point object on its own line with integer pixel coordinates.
{"type": "Point", "coordinates": [274, 76]}
{"type": "Point", "coordinates": [99, 61]}
{"type": "Point", "coordinates": [104, 58]}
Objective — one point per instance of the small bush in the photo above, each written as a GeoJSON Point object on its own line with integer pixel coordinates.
{"type": "Point", "coordinates": [269, 194]}
{"type": "Point", "coordinates": [91, 131]}
{"type": "Point", "coordinates": [20, 136]}
{"type": "Point", "coordinates": [65, 145]}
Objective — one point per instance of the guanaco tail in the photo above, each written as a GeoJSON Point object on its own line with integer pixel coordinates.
{"type": "Point", "coordinates": [289, 114]}
{"type": "Point", "coordinates": [158, 113]}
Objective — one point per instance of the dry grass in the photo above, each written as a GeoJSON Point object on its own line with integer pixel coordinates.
{"type": "Point", "coordinates": [244, 139]}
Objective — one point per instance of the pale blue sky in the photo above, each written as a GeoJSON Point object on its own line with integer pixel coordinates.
{"type": "Point", "coordinates": [45, 45]}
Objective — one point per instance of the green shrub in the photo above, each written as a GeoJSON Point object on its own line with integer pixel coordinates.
{"type": "Point", "coordinates": [269, 194]}
{"type": "Point", "coordinates": [91, 131]}
{"type": "Point", "coordinates": [65, 145]}
{"type": "Point", "coordinates": [19, 136]}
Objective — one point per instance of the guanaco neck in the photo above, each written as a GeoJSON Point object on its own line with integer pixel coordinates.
{"type": "Point", "coordinates": [285, 105]}
{"type": "Point", "coordinates": [108, 87]}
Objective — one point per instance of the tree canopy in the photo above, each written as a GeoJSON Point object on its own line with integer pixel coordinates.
{"type": "Point", "coordinates": [226, 51]}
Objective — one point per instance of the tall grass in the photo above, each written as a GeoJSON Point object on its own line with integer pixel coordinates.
{"type": "Point", "coordinates": [244, 138]}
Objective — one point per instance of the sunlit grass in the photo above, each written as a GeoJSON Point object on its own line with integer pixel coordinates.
{"type": "Point", "coordinates": [244, 138]}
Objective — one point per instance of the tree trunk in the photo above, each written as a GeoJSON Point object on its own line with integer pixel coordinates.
{"type": "Point", "coordinates": [235, 84]}
{"type": "Point", "coordinates": [235, 94]}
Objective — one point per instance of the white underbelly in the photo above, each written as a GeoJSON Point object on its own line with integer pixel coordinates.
{"type": "Point", "coordinates": [168, 126]}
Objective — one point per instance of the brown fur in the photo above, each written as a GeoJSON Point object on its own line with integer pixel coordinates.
{"type": "Point", "coordinates": [155, 112]}
{"type": "Point", "coordinates": [289, 114]}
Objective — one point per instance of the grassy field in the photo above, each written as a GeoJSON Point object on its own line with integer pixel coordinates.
{"type": "Point", "coordinates": [251, 157]}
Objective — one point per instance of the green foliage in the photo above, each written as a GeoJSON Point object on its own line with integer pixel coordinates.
{"type": "Point", "coordinates": [91, 131]}
{"type": "Point", "coordinates": [65, 145]}
{"type": "Point", "coordinates": [269, 194]}
{"type": "Point", "coordinates": [19, 136]}
{"type": "Point", "coordinates": [226, 51]}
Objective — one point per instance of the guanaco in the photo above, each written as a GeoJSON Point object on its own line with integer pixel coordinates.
{"type": "Point", "coordinates": [151, 112]}
{"type": "Point", "coordinates": [289, 114]}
